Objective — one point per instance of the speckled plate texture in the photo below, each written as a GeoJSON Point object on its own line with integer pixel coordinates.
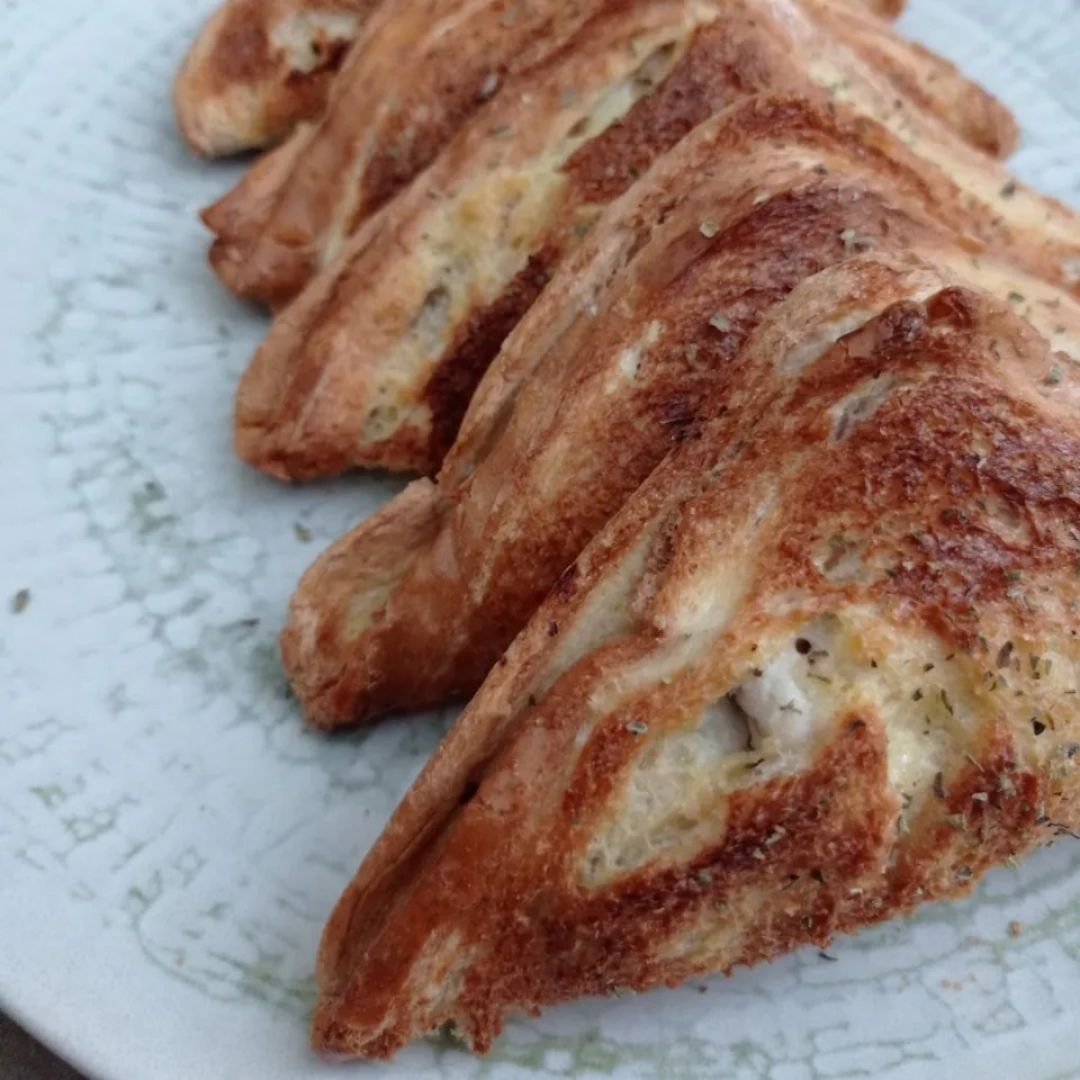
{"type": "Point", "coordinates": [171, 838]}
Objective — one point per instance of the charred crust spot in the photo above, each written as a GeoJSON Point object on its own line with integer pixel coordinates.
{"type": "Point", "coordinates": [567, 582]}
{"type": "Point", "coordinates": [662, 550]}
{"type": "Point", "coordinates": [469, 792]}
{"type": "Point", "coordinates": [901, 326]}
{"type": "Point", "coordinates": [477, 343]}
{"type": "Point", "coordinates": [719, 68]}
{"type": "Point", "coordinates": [553, 629]}
{"type": "Point", "coordinates": [953, 306]}
{"type": "Point", "coordinates": [678, 416]}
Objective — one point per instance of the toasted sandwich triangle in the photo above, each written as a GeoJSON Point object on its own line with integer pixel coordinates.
{"type": "Point", "coordinates": [762, 708]}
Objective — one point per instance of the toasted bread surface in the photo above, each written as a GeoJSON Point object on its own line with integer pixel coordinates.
{"type": "Point", "coordinates": [819, 669]}
{"type": "Point", "coordinates": [260, 67]}
{"type": "Point", "coordinates": [374, 364]}
{"type": "Point", "coordinates": [415, 73]}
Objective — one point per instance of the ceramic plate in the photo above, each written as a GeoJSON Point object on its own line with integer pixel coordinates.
{"type": "Point", "coordinates": [171, 839]}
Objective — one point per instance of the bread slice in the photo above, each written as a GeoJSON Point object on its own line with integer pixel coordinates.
{"type": "Point", "coordinates": [414, 79]}
{"type": "Point", "coordinates": [375, 362]}
{"type": "Point", "coordinates": [260, 67]}
{"type": "Point", "coordinates": [820, 669]}
{"type": "Point", "coordinates": [604, 375]}
{"type": "Point", "coordinates": [415, 74]}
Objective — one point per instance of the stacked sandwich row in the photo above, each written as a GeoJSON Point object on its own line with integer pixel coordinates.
{"type": "Point", "coordinates": [742, 379]}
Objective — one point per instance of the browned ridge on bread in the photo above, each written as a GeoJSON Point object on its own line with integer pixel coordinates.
{"type": "Point", "coordinates": [608, 371]}
{"type": "Point", "coordinates": [260, 67]}
{"type": "Point", "coordinates": [421, 69]}
{"type": "Point", "coordinates": [820, 668]}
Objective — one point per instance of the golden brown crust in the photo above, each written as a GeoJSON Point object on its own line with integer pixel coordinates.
{"type": "Point", "coordinates": [886, 483]}
{"type": "Point", "coordinates": [609, 937]}
{"type": "Point", "coordinates": [380, 130]}
{"type": "Point", "coordinates": [260, 67]}
{"type": "Point", "coordinates": [733, 219]}
{"type": "Point", "coordinates": [926, 78]}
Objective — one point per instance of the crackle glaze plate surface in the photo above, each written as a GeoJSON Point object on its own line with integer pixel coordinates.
{"type": "Point", "coordinates": [171, 839]}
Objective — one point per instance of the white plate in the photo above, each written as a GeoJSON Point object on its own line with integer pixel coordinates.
{"type": "Point", "coordinates": [171, 838]}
